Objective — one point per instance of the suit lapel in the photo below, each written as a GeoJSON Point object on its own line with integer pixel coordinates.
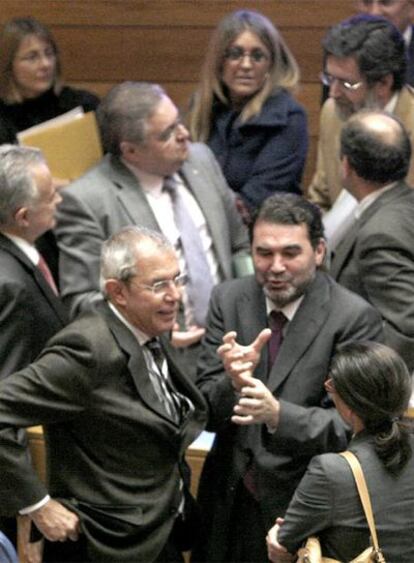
{"type": "Point", "coordinates": [136, 361]}
{"type": "Point", "coordinates": [344, 249]}
{"type": "Point", "coordinates": [302, 330]}
{"type": "Point", "coordinates": [198, 186]}
{"type": "Point", "coordinates": [252, 319]}
{"type": "Point", "coordinates": [130, 195]}
{"type": "Point", "coordinates": [7, 245]}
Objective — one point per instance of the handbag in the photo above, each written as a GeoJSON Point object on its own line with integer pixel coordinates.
{"type": "Point", "coordinates": [312, 553]}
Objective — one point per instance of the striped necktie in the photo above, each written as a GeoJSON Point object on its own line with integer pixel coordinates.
{"type": "Point", "coordinates": [171, 400]}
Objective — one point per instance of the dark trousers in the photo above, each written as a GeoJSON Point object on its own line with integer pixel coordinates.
{"type": "Point", "coordinates": [75, 552]}
{"type": "Point", "coordinates": [247, 534]}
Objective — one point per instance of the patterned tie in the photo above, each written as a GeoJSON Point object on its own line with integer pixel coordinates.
{"type": "Point", "coordinates": [44, 268]}
{"type": "Point", "coordinates": [200, 281]}
{"type": "Point", "coordinates": [169, 397]}
{"type": "Point", "coordinates": [277, 321]}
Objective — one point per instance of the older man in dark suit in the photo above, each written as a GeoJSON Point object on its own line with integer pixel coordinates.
{"type": "Point", "coordinates": [30, 310]}
{"type": "Point", "coordinates": [118, 414]}
{"type": "Point", "coordinates": [266, 394]}
{"type": "Point", "coordinates": [376, 256]}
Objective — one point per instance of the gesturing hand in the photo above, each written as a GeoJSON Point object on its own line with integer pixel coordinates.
{"type": "Point", "coordinates": [256, 405]}
{"type": "Point", "coordinates": [241, 361]}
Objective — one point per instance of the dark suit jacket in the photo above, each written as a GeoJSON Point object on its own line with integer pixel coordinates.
{"type": "Point", "coordinates": [327, 316]}
{"type": "Point", "coordinates": [30, 313]}
{"type": "Point", "coordinates": [327, 504]}
{"type": "Point", "coordinates": [113, 456]}
{"type": "Point", "coordinates": [376, 260]}
{"type": "Point", "coordinates": [109, 197]}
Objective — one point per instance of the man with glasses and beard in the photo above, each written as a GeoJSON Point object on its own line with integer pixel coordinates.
{"type": "Point", "coordinates": [275, 333]}
{"type": "Point", "coordinates": [365, 67]}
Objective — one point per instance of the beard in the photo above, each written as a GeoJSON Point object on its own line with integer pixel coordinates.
{"type": "Point", "coordinates": [296, 288]}
{"type": "Point", "coordinates": [345, 108]}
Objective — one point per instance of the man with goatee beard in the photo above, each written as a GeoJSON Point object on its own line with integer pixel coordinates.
{"type": "Point", "coordinates": [365, 68]}
{"type": "Point", "coordinates": [269, 342]}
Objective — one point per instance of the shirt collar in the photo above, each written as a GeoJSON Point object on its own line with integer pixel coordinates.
{"type": "Point", "coordinates": [369, 199]}
{"type": "Point", "coordinates": [408, 33]}
{"type": "Point", "coordinates": [288, 310]}
{"type": "Point", "coordinates": [139, 335]}
{"type": "Point", "coordinates": [391, 105]}
{"type": "Point", "coordinates": [28, 249]}
{"type": "Point", "coordinates": [150, 183]}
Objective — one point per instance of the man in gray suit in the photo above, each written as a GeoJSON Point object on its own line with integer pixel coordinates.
{"type": "Point", "coordinates": [118, 416]}
{"type": "Point", "coordinates": [150, 176]}
{"type": "Point", "coordinates": [265, 393]}
{"type": "Point", "coordinates": [376, 256]}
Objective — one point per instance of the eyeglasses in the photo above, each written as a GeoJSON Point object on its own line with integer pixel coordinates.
{"type": "Point", "coordinates": [35, 56]}
{"type": "Point", "coordinates": [238, 54]}
{"type": "Point", "coordinates": [169, 132]}
{"type": "Point", "coordinates": [328, 80]}
{"type": "Point", "coordinates": [163, 286]}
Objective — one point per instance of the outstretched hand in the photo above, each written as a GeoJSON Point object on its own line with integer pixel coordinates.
{"type": "Point", "coordinates": [241, 361]}
{"type": "Point", "coordinates": [256, 405]}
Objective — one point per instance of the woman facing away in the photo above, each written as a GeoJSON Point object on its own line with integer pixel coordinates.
{"type": "Point", "coordinates": [371, 387]}
{"type": "Point", "coordinates": [244, 110]}
{"type": "Point", "coordinates": [31, 88]}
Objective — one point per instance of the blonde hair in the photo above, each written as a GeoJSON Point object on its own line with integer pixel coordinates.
{"type": "Point", "coordinates": [11, 37]}
{"type": "Point", "coordinates": [283, 71]}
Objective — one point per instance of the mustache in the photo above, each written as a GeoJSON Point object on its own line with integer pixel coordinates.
{"type": "Point", "coordinates": [278, 278]}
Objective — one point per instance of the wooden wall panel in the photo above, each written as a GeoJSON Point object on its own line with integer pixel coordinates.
{"type": "Point", "coordinates": [104, 42]}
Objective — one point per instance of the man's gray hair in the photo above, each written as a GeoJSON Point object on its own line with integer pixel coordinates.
{"type": "Point", "coordinates": [17, 186]}
{"type": "Point", "coordinates": [119, 253]}
{"type": "Point", "coordinates": [123, 113]}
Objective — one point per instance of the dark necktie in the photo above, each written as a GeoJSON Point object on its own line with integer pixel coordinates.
{"type": "Point", "coordinates": [200, 282]}
{"type": "Point", "coordinates": [277, 321]}
{"type": "Point", "coordinates": [171, 400]}
{"type": "Point", "coordinates": [44, 268]}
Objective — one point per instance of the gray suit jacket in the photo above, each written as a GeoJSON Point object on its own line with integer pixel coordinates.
{"type": "Point", "coordinates": [376, 260]}
{"type": "Point", "coordinates": [108, 197]}
{"type": "Point", "coordinates": [114, 456]}
{"type": "Point", "coordinates": [327, 316]}
{"type": "Point", "coordinates": [327, 504]}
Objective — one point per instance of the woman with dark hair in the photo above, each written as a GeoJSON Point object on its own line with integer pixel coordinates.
{"type": "Point", "coordinates": [244, 109]}
{"type": "Point", "coordinates": [370, 386]}
{"type": "Point", "coordinates": [31, 88]}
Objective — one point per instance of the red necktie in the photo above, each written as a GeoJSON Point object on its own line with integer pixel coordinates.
{"type": "Point", "coordinates": [44, 268]}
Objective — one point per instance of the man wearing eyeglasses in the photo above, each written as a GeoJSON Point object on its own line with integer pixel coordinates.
{"type": "Point", "coordinates": [118, 417]}
{"type": "Point", "coordinates": [365, 67]}
{"type": "Point", "coordinates": [151, 176]}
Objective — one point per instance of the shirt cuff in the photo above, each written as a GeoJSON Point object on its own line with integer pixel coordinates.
{"type": "Point", "coordinates": [33, 507]}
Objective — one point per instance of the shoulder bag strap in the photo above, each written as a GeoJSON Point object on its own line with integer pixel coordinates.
{"type": "Point", "coordinates": [363, 493]}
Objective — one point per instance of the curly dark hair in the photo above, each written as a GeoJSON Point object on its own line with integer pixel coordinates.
{"type": "Point", "coordinates": [376, 44]}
